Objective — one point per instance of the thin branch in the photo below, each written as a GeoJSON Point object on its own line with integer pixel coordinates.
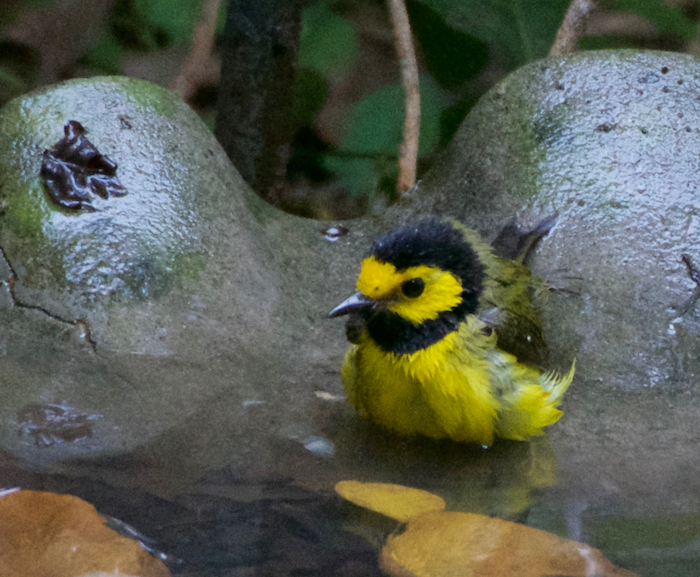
{"type": "Point", "coordinates": [572, 27]}
{"type": "Point", "coordinates": [409, 76]}
{"type": "Point", "coordinates": [200, 68]}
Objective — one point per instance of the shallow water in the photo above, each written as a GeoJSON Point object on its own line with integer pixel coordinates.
{"type": "Point", "coordinates": [618, 472]}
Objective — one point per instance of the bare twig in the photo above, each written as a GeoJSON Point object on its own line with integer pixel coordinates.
{"type": "Point", "coordinates": [200, 67]}
{"type": "Point", "coordinates": [409, 75]}
{"type": "Point", "coordinates": [572, 27]}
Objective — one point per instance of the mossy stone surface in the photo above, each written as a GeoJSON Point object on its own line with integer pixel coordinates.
{"type": "Point", "coordinates": [610, 141]}
{"type": "Point", "coordinates": [76, 263]}
{"type": "Point", "coordinates": [186, 296]}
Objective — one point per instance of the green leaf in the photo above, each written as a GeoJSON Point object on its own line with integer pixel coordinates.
{"type": "Point", "coordinates": [327, 44]}
{"type": "Point", "coordinates": [451, 56]}
{"type": "Point", "coordinates": [310, 91]}
{"type": "Point", "coordinates": [357, 176]}
{"type": "Point", "coordinates": [175, 18]}
{"type": "Point", "coordinates": [105, 55]}
{"type": "Point", "coordinates": [517, 31]}
{"type": "Point", "coordinates": [376, 122]}
{"type": "Point", "coordinates": [366, 160]}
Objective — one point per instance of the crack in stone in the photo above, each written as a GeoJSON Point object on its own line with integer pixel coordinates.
{"type": "Point", "coordinates": [81, 324]}
{"type": "Point", "coordinates": [694, 274]}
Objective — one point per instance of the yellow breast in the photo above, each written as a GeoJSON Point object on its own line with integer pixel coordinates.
{"type": "Point", "coordinates": [442, 391]}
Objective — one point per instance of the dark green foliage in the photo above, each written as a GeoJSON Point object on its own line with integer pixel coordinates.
{"type": "Point", "coordinates": [452, 57]}
{"type": "Point", "coordinates": [463, 47]}
{"type": "Point", "coordinates": [516, 31]}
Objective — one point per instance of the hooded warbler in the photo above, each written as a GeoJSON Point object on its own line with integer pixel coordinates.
{"type": "Point", "coordinates": [445, 335]}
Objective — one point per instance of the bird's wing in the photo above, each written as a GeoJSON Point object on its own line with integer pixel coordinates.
{"type": "Point", "coordinates": [516, 295]}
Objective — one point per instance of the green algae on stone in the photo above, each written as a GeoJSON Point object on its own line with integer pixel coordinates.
{"type": "Point", "coordinates": [166, 310]}
{"type": "Point", "coordinates": [125, 249]}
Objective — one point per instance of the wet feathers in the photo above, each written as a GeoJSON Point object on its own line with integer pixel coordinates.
{"type": "Point", "coordinates": [445, 336]}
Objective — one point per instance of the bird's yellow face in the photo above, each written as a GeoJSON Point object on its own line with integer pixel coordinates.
{"type": "Point", "coordinates": [417, 285]}
{"type": "Point", "coordinates": [417, 293]}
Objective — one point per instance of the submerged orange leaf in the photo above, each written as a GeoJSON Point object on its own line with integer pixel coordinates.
{"type": "Point", "coordinates": [395, 501]}
{"type": "Point", "coordinates": [452, 544]}
{"type": "Point", "coordinates": [49, 535]}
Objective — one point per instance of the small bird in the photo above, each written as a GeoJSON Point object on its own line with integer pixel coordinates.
{"type": "Point", "coordinates": [445, 335]}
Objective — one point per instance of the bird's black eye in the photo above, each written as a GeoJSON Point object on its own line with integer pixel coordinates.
{"type": "Point", "coordinates": [413, 288]}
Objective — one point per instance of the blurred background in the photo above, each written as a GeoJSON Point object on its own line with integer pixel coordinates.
{"type": "Point", "coordinates": [345, 112]}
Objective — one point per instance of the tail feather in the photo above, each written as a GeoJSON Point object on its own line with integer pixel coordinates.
{"type": "Point", "coordinates": [556, 384]}
{"type": "Point", "coordinates": [531, 407]}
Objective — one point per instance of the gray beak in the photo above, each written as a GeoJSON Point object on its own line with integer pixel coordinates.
{"type": "Point", "coordinates": [354, 303]}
